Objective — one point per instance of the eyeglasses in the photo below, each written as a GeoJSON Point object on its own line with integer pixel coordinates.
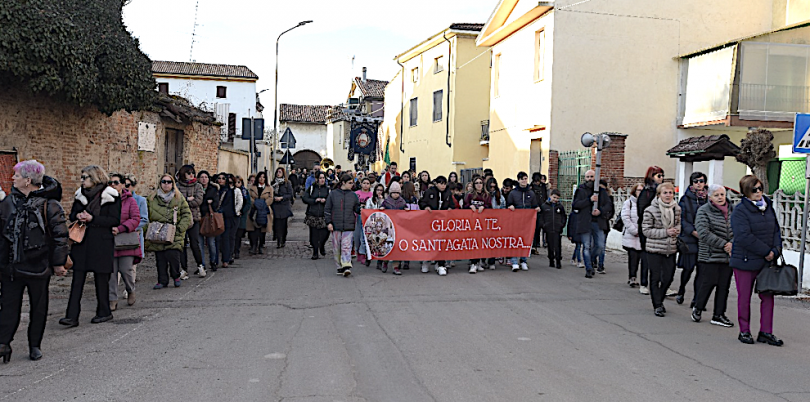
{"type": "Point", "coordinates": [165, 182]}
{"type": "Point", "coordinates": [757, 189]}
{"type": "Point", "coordinates": [114, 182]}
{"type": "Point", "coordinates": [85, 177]}
{"type": "Point", "coordinates": [698, 181]}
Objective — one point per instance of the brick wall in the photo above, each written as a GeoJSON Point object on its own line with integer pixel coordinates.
{"type": "Point", "coordinates": [553, 168]}
{"type": "Point", "coordinates": [612, 161]}
{"type": "Point", "coordinates": [66, 138]}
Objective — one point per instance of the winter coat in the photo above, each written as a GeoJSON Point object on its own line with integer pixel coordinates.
{"type": "Point", "coordinates": [478, 200]}
{"type": "Point", "coordinates": [553, 217]}
{"type": "Point", "coordinates": [541, 191]}
{"type": "Point", "coordinates": [756, 234]}
{"type": "Point", "coordinates": [645, 198]}
{"type": "Point", "coordinates": [715, 231]}
{"type": "Point", "coordinates": [246, 205]}
{"type": "Point", "coordinates": [658, 241]}
{"type": "Point", "coordinates": [311, 180]}
{"type": "Point", "coordinates": [437, 200]}
{"type": "Point", "coordinates": [231, 205]}
{"type": "Point", "coordinates": [96, 252]}
{"type": "Point", "coordinates": [570, 228]}
{"type": "Point", "coordinates": [340, 209]}
{"type": "Point", "coordinates": [583, 206]}
{"type": "Point", "coordinates": [370, 204]}
{"type": "Point", "coordinates": [313, 193]}
{"type": "Point", "coordinates": [143, 208]}
{"type": "Point", "coordinates": [39, 246]}
{"type": "Point", "coordinates": [159, 211]}
{"type": "Point", "coordinates": [211, 193]}
{"type": "Point", "coordinates": [130, 220]}
{"type": "Point", "coordinates": [689, 204]}
{"type": "Point", "coordinates": [398, 204]}
{"type": "Point", "coordinates": [522, 198]}
{"type": "Point", "coordinates": [267, 196]}
{"type": "Point", "coordinates": [629, 217]}
{"type": "Point", "coordinates": [195, 190]}
{"type": "Point", "coordinates": [283, 209]}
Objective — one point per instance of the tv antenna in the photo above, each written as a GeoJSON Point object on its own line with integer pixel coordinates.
{"type": "Point", "coordinates": [193, 32]}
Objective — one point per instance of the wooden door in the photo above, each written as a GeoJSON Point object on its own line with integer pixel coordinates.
{"type": "Point", "coordinates": [174, 151]}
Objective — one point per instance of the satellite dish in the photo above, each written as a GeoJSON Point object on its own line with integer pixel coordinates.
{"type": "Point", "coordinates": [587, 140]}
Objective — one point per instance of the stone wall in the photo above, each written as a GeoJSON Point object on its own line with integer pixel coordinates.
{"type": "Point", "coordinates": [65, 138]}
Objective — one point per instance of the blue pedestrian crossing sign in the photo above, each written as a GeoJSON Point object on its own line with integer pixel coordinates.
{"type": "Point", "coordinates": [801, 133]}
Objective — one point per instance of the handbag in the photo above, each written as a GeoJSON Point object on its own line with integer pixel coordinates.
{"type": "Point", "coordinates": [162, 233]}
{"type": "Point", "coordinates": [128, 241]}
{"type": "Point", "coordinates": [778, 279]}
{"type": "Point", "coordinates": [213, 224]}
{"type": "Point", "coordinates": [76, 231]}
{"type": "Point", "coordinates": [683, 248]}
{"type": "Point", "coordinates": [619, 225]}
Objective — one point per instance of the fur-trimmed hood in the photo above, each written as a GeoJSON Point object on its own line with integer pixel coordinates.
{"type": "Point", "coordinates": [107, 196]}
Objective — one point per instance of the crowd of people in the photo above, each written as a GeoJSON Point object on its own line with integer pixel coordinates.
{"type": "Point", "coordinates": [104, 232]}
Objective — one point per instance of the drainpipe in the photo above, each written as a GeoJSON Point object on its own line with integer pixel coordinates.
{"type": "Point", "coordinates": [402, 109]}
{"type": "Point", "coordinates": [449, 55]}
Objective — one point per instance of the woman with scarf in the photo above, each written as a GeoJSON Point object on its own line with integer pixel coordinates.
{"type": "Point", "coordinates": [210, 204]}
{"type": "Point", "coordinates": [282, 208]}
{"type": "Point", "coordinates": [231, 207]}
{"type": "Point", "coordinates": [242, 229]}
{"type": "Point", "coordinates": [194, 194]}
{"type": "Point", "coordinates": [315, 198]}
{"type": "Point", "coordinates": [256, 233]}
{"type": "Point", "coordinates": [478, 200]}
{"type": "Point", "coordinates": [661, 225]}
{"type": "Point", "coordinates": [168, 205]}
{"type": "Point", "coordinates": [714, 229]}
{"type": "Point", "coordinates": [126, 259]}
{"type": "Point", "coordinates": [654, 177]}
{"type": "Point", "coordinates": [694, 198]}
{"type": "Point", "coordinates": [757, 244]}
{"type": "Point", "coordinates": [98, 207]}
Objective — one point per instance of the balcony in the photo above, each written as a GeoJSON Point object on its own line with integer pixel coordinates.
{"type": "Point", "coordinates": [484, 132]}
{"type": "Point", "coordinates": [746, 84]}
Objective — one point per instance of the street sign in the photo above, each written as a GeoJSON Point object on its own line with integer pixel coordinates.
{"type": "Point", "coordinates": [801, 134]}
{"type": "Point", "coordinates": [287, 159]}
{"type": "Point", "coordinates": [287, 139]}
{"type": "Point", "coordinates": [258, 129]}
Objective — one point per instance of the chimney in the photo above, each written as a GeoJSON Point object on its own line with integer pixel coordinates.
{"type": "Point", "coordinates": [364, 74]}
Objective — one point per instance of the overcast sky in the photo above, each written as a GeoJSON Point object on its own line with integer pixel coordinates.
{"type": "Point", "coordinates": [315, 62]}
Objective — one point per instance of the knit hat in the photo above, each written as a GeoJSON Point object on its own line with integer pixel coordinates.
{"type": "Point", "coordinates": [395, 188]}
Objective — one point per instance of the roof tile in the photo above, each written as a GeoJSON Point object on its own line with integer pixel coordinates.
{"type": "Point", "coordinates": [371, 88]}
{"type": "Point", "coordinates": [303, 113]}
{"type": "Point", "coordinates": [202, 69]}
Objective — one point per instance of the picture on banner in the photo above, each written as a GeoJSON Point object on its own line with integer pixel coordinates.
{"type": "Point", "coordinates": [380, 234]}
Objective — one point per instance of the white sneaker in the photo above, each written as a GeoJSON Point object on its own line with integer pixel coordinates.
{"type": "Point", "coordinates": [524, 266]}
{"type": "Point", "coordinates": [515, 267]}
{"type": "Point", "coordinates": [580, 265]}
{"type": "Point", "coordinates": [425, 268]}
{"type": "Point", "coordinates": [201, 271]}
{"type": "Point", "coordinates": [473, 268]}
{"type": "Point", "coordinates": [643, 290]}
{"type": "Point", "coordinates": [480, 267]}
{"type": "Point", "coordinates": [492, 266]}
{"type": "Point", "coordinates": [183, 275]}
{"type": "Point", "coordinates": [672, 293]}
{"type": "Point", "coordinates": [574, 262]}
{"type": "Point", "coordinates": [442, 271]}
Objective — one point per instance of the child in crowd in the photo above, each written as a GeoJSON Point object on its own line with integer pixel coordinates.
{"type": "Point", "coordinates": [341, 206]}
{"type": "Point", "coordinates": [458, 194]}
{"type": "Point", "coordinates": [553, 219]}
{"type": "Point", "coordinates": [576, 259]}
{"type": "Point", "coordinates": [375, 202]}
{"type": "Point", "coordinates": [394, 201]}
{"type": "Point", "coordinates": [438, 198]}
{"type": "Point", "coordinates": [363, 194]}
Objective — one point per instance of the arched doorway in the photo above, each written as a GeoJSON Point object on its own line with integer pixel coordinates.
{"type": "Point", "coordinates": [305, 159]}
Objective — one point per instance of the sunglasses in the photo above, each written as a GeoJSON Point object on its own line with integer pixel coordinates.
{"type": "Point", "coordinates": [757, 189]}
{"type": "Point", "coordinates": [699, 181]}
{"type": "Point", "coordinates": [165, 182]}
{"type": "Point", "coordinates": [85, 177]}
{"type": "Point", "coordinates": [113, 182]}
{"type": "Point", "coordinates": [659, 175]}
{"type": "Point", "coordinates": [128, 185]}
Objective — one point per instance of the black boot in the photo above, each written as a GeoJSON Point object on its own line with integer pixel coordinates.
{"type": "Point", "coordinates": [314, 254]}
{"type": "Point", "coordinates": [5, 353]}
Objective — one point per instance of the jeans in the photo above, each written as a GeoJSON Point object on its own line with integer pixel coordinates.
{"type": "Point", "coordinates": [593, 244]}
{"type": "Point", "coordinates": [359, 238]}
{"type": "Point", "coordinates": [745, 285]}
{"type": "Point", "coordinates": [211, 244]}
{"type": "Point", "coordinates": [662, 271]}
{"type": "Point", "coordinates": [577, 252]}
{"type": "Point", "coordinates": [514, 260]}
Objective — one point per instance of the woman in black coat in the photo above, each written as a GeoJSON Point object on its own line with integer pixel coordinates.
{"type": "Point", "coordinates": [315, 198]}
{"type": "Point", "coordinates": [693, 198]}
{"type": "Point", "coordinates": [282, 207]}
{"type": "Point", "coordinates": [210, 203]}
{"type": "Point", "coordinates": [97, 206]}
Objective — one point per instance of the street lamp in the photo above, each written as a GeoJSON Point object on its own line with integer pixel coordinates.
{"type": "Point", "coordinates": [275, 114]}
{"type": "Point", "coordinates": [602, 141]}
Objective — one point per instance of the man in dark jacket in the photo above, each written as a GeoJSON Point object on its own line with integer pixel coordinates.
{"type": "Point", "coordinates": [553, 219]}
{"type": "Point", "coordinates": [339, 211]}
{"type": "Point", "coordinates": [440, 198]}
{"type": "Point", "coordinates": [522, 197]}
{"type": "Point", "coordinates": [540, 188]}
{"type": "Point", "coordinates": [33, 245]}
{"type": "Point", "coordinates": [591, 223]}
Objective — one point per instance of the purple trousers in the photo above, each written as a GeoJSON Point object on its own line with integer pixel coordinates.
{"type": "Point", "coordinates": [745, 287]}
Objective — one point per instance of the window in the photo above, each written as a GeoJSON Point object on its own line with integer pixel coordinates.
{"type": "Point", "coordinates": [539, 54]}
{"type": "Point", "coordinates": [415, 74]}
{"type": "Point", "coordinates": [222, 92]}
{"type": "Point", "coordinates": [437, 105]}
{"type": "Point", "coordinates": [163, 88]}
{"type": "Point", "coordinates": [496, 75]}
{"type": "Point", "coordinates": [438, 64]}
{"type": "Point", "coordinates": [413, 111]}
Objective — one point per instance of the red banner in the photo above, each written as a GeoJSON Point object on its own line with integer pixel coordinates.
{"type": "Point", "coordinates": [394, 235]}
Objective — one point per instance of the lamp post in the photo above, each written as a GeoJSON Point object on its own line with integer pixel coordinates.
{"type": "Point", "coordinates": [275, 113]}
{"type": "Point", "coordinates": [602, 141]}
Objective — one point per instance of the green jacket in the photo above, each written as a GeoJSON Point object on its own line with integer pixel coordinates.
{"type": "Point", "coordinates": [160, 212]}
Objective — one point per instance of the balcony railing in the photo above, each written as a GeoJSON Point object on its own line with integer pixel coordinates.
{"type": "Point", "coordinates": [485, 132]}
{"type": "Point", "coordinates": [774, 98]}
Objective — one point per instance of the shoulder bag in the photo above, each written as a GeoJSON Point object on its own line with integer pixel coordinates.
{"type": "Point", "coordinates": [213, 224]}
{"type": "Point", "coordinates": [76, 231]}
{"type": "Point", "coordinates": [778, 279]}
{"type": "Point", "coordinates": [162, 233]}
{"type": "Point", "coordinates": [128, 241]}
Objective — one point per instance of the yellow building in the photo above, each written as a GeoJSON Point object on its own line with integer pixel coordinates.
{"type": "Point", "coordinates": [562, 68]}
{"type": "Point", "coordinates": [434, 117]}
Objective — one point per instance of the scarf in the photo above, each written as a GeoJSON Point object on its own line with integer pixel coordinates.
{"type": "Point", "coordinates": [761, 204]}
{"type": "Point", "coordinates": [166, 197]}
{"type": "Point", "coordinates": [93, 196]}
{"type": "Point", "coordinates": [391, 203]}
{"type": "Point", "coordinates": [279, 180]}
{"type": "Point", "coordinates": [191, 182]}
{"type": "Point", "coordinates": [723, 208]}
{"type": "Point", "coordinates": [701, 194]}
{"type": "Point", "coordinates": [667, 212]}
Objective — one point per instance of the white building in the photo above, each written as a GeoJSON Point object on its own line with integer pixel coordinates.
{"type": "Point", "coordinates": [308, 124]}
{"type": "Point", "coordinates": [229, 91]}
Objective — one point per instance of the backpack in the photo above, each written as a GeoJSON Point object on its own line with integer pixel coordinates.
{"type": "Point", "coordinates": [261, 211]}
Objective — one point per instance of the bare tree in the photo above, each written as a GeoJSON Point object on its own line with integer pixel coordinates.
{"type": "Point", "coordinates": [756, 150]}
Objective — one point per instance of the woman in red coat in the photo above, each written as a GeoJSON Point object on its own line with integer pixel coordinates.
{"type": "Point", "coordinates": [125, 259]}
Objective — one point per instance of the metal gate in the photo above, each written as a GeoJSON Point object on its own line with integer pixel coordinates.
{"type": "Point", "coordinates": [466, 175]}
{"type": "Point", "coordinates": [571, 172]}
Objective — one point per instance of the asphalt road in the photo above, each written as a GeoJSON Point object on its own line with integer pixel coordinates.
{"type": "Point", "coordinates": [285, 328]}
